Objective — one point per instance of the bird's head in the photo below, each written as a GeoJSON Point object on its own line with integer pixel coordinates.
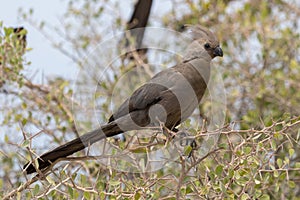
{"type": "Point", "coordinates": [211, 47]}
{"type": "Point", "coordinates": [204, 42]}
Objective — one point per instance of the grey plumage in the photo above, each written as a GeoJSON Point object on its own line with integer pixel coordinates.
{"type": "Point", "coordinates": [169, 97]}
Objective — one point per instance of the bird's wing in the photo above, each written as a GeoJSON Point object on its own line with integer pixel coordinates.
{"type": "Point", "coordinates": [146, 95]}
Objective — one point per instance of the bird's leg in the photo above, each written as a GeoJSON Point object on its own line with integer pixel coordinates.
{"type": "Point", "coordinates": [193, 145]}
{"type": "Point", "coordinates": [186, 140]}
{"type": "Point", "coordinates": [205, 122]}
{"type": "Point", "coordinates": [170, 134]}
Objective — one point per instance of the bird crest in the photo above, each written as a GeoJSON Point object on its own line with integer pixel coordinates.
{"type": "Point", "coordinates": [201, 32]}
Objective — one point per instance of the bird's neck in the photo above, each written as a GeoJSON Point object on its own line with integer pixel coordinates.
{"type": "Point", "coordinates": [195, 51]}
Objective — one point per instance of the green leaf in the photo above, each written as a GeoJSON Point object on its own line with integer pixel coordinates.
{"type": "Point", "coordinates": [74, 175]}
{"type": "Point", "coordinates": [50, 180]}
{"type": "Point", "coordinates": [264, 197]}
{"type": "Point", "coordinates": [114, 183]}
{"type": "Point", "coordinates": [247, 150]}
{"type": "Point", "coordinates": [279, 162]}
{"type": "Point", "coordinates": [264, 11]}
{"type": "Point", "coordinates": [36, 189]}
{"type": "Point", "coordinates": [286, 161]}
{"type": "Point", "coordinates": [31, 11]}
{"type": "Point", "coordinates": [83, 179]}
{"type": "Point", "coordinates": [24, 121]}
{"type": "Point", "coordinates": [219, 170]}
{"type": "Point", "coordinates": [277, 187]}
{"type": "Point", "coordinates": [245, 197]}
{"type": "Point", "coordinates": [292, 184]}
{"type": "Point", "coordinates": [286, 116]}
{"type": "Point", "coordinates": [282, 176]}
{"type": "Point", "coordinates": [52, 193]}
{"type": "Point", "coordinates": [258, 193]}
{"type": "Point", "coordinates": [70, 191]}
{"type": "Point", "coordinates": [25, 143]}
{"type": "Point", "coordinates": [137, 196]}
{"type": "Point", "coordinates": [230, 173]}
{"type": "Point", "coordinates": [24, 105]}
{"type": "Point", "coordinates": [222, 145]}
{"type": "Point", "coordinates": [8, 31]}
{"type": "Point", "coordinates": [293, 64]}
{"type": "Point", "coordinates": [6, 139]}
{"type": "Point", "coordinates": [278, 136]}
{"type": "Point", "coordinates": [139, 149]}
{"type": "Point", "coordinates": [189, 190]}
{"type": "Point", "coordinates": [237, 175]}
{"type": "Point", "coordinates": [102, 195]}
{"type": "Point", "coordinates": [273, 145]}
{"type": "Point", "coordinates": [87, 195]}
{"type": "Point", "coordinates": [19, 196]}
{"type": "Point", "coordinates": [291, 152]}
{"type": "Point", "coordinates": [187, 150]}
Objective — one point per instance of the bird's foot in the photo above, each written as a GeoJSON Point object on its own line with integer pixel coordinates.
{"type": "Point", "coordinates": [187, 142]}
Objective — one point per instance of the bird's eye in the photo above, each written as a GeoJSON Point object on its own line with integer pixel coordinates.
{"type": "Point", "coordinates": [207, 46]}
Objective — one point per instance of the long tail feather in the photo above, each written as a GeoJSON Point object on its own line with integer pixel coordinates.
{"type": "Point", "coordinates": [73, 146]}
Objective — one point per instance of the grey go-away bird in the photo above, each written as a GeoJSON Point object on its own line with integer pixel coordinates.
{"type": "Point", "coordinates": [169, 97]}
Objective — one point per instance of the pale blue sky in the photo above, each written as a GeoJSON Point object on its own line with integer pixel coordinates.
{"type": "Point", "coordinates": [47, 61]}
{"type": "Point", "coordinates": [44, 58]}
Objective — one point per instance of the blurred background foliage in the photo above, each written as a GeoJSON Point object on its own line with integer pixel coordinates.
{"type": "Point", "coordinates": [258, 151]}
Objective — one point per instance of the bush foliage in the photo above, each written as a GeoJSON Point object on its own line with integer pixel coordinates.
{"type": "Point", "coordinates": [257, 153]}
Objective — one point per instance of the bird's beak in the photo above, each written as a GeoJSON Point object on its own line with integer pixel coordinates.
{"type": "Point", "coordinates": [218, 52]}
